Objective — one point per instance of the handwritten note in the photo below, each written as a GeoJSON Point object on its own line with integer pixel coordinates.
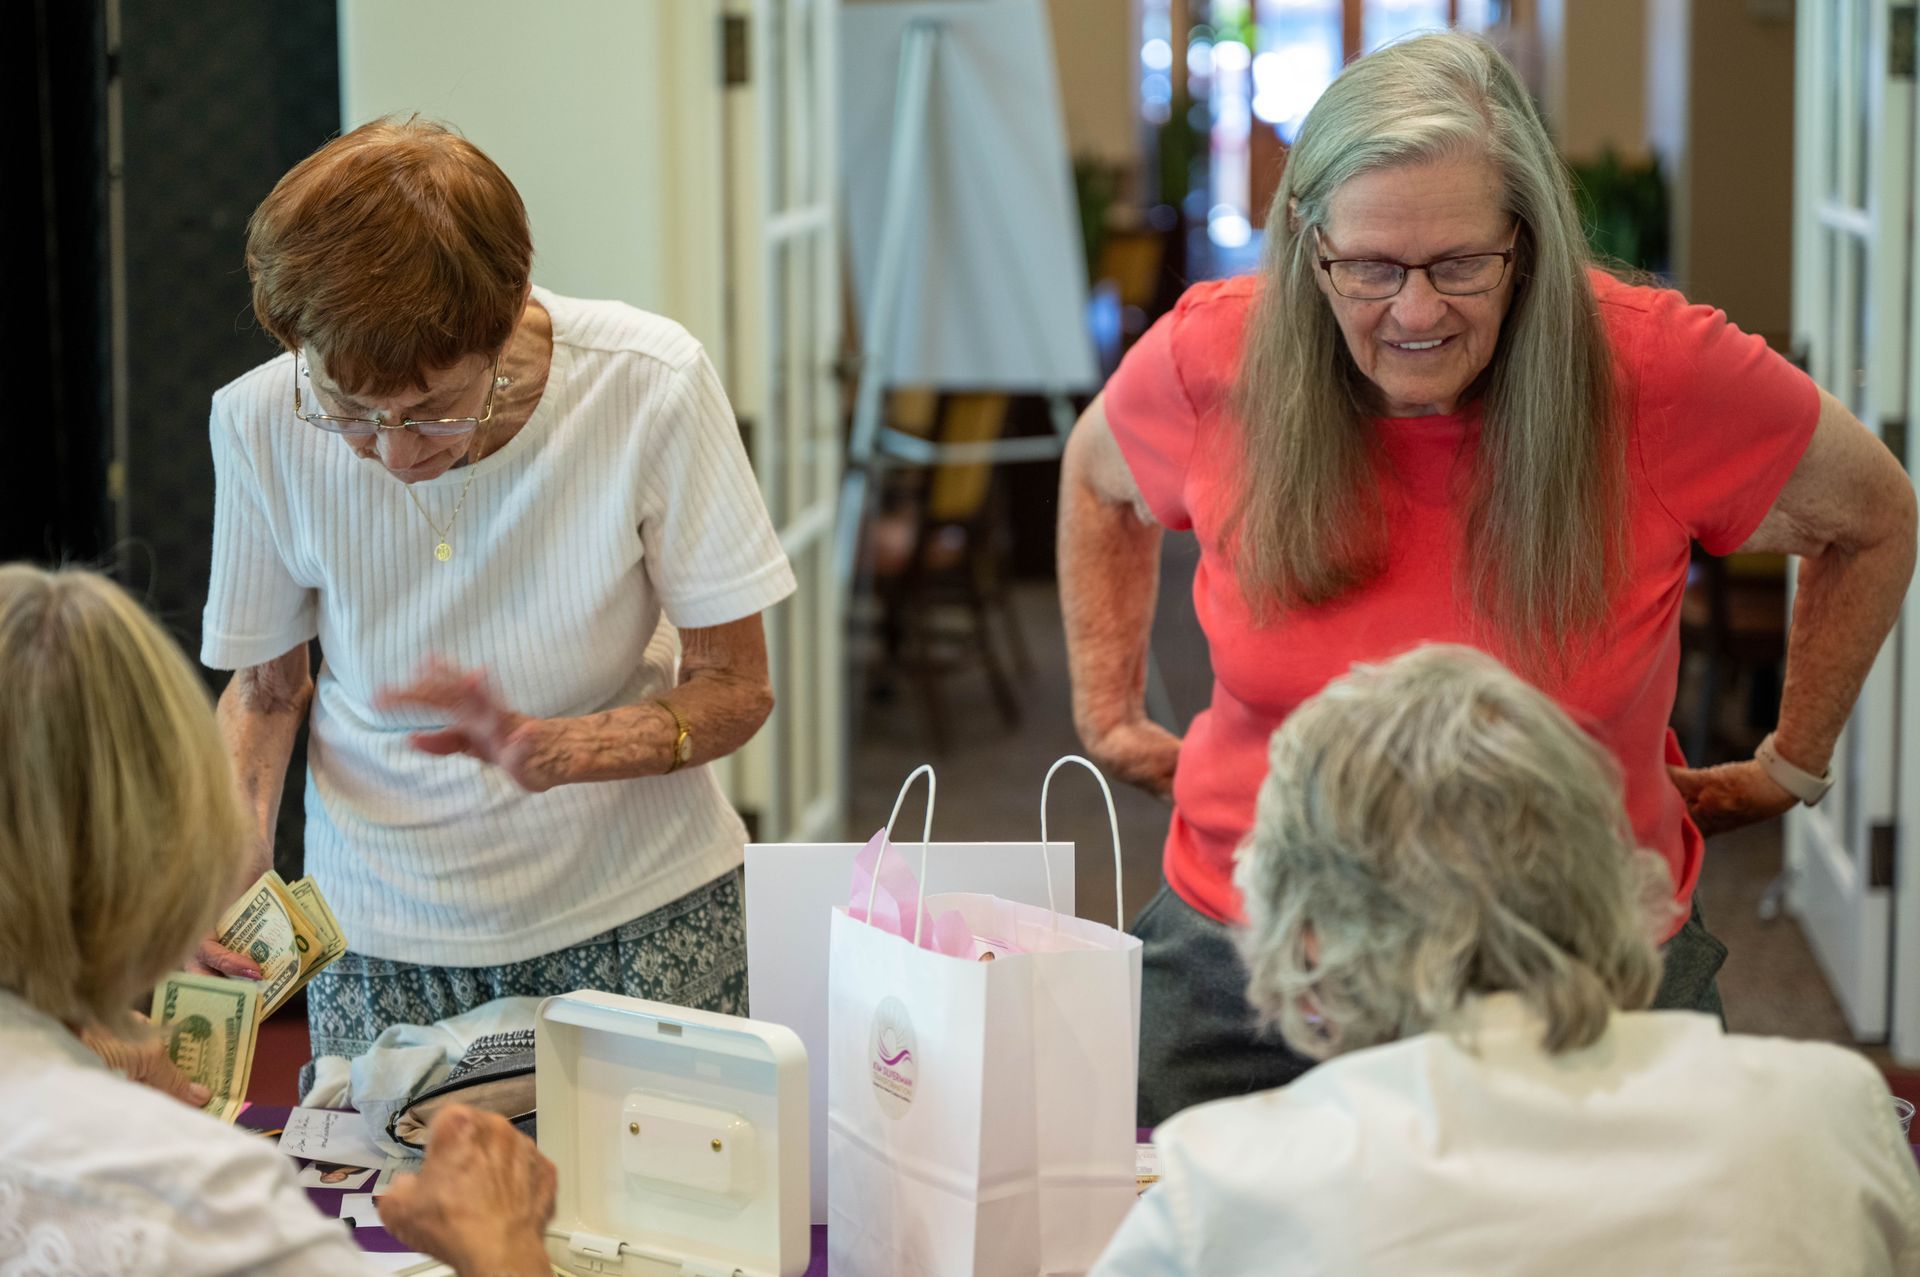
{"type": "Point", "coordinates": [329, 1135]}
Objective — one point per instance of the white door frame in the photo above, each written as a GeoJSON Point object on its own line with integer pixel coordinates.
{"type": "Point", "coordinates": [784, 322]}
{"type": "Point", "coordinates": [1904, 1028]}
{"type": "Point", "coordinates": [1852, 245]}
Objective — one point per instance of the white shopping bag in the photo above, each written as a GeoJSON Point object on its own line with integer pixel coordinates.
{"type": "Point", "coordinates": [980, 1114]}
{"type": "Point", "coordinates": [791, 891]}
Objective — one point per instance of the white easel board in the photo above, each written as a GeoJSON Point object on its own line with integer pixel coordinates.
{"type": "Point", "coordinates": [993, 291]}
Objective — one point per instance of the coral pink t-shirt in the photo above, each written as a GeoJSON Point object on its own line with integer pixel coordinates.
{"type": "Point", "coordinates": [1717, 422]}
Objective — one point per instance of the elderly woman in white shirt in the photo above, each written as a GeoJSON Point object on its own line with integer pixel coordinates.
{"type": "Point", "coordinates": [117, 809]}
{"type": "Point", "coordinates": [482, 497]}
{"type": "Point", "coordinates": [1445, 905]}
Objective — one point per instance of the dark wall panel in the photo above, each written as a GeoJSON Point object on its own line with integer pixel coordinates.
{"type": "Point", "coordinates": [221, 98]}
{"type": "Point", "coordinates": [53, 232]}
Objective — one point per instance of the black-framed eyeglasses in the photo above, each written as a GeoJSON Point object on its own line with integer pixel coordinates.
{"type": "Point", "coordinates": [362, 427]}
{"type": "Point", "coordinates": [1375, 279]}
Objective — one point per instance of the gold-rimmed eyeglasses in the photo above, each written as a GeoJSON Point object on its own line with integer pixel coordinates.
{"type": "Point", "coordinates": [363, 427]}
{"type": "Point", "coordinates": [1375, 279]}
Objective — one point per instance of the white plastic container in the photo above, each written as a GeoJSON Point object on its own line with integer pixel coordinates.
{"type": "Point", "coordinates": [680, 1138]}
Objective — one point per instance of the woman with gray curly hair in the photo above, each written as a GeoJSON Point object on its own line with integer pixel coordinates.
{"type": "Point", "coordinates": [1429, 418]}
{"type": "Point", "coordinates": [1445, 902]}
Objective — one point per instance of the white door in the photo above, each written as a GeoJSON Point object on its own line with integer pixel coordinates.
{"type": "Point", "coordinates": [1904, 1031]}
{"type": "Point", "coordinates": [1854, 167]}
{"type": "Point", "coordinates": [784, 320]}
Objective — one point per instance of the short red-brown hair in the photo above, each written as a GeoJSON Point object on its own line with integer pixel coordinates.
{"type": "Point", "coordinates": [394, 251]}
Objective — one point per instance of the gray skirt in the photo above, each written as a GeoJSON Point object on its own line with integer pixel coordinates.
{"type": "Point", "coordinates": [691, 952]}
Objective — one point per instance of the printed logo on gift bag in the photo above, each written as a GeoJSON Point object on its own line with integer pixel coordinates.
{"type": "Point", "coordinates": [891, 1060]}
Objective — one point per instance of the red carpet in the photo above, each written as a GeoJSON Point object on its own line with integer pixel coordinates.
{"type": "Point", "coordinates": [278, 1055]}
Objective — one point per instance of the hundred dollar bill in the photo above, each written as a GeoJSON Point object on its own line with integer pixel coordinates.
{"type": "Point", "coordinates": [209, 1022]}
{"type": "Point", "coordinates": [333, 941]}
{"type": "Point", "coordinates": [269, 926]}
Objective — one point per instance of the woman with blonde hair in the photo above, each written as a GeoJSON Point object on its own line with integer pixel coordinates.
{"type": "Point", "coordinates": [1429, 418]}
{"type": "Point", "coordinates": [119, 822]}
{"type": "Point", "coordinates": [1445, 902]}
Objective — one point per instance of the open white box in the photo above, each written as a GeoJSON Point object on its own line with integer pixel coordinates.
{"type": "Point", "coordinates": [680, 1138]}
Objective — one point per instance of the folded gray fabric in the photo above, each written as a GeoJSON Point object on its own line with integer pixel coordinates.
{"type": "Point", "coordinates": [408, 1060]}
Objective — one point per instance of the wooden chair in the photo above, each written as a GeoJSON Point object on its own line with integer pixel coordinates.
{"type": "Point", "coordinates": [937, 555]}
{"type": "Point", "coordinates": [1126, 290]}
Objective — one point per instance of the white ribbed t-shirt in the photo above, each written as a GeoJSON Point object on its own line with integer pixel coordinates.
{"type": "Point", "coordinates": [626, 496]}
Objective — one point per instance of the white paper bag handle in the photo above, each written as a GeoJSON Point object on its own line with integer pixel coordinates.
{"type": "Point", "coordinates": [926, 836]}
{"type": "Point", "coordinates": [1113, 826]}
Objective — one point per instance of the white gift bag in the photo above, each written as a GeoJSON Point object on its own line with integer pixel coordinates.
{"type": "Point", "coordinates": [791, 891]}
{"type": "Point", "coordinates": [980, 1114]}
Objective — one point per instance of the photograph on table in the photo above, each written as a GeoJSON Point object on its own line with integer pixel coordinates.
{"type": "Point", "coordinates": [334, 1175]}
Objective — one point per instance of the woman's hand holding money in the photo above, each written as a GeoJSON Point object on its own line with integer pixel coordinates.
{"type": "Point", "coordinates": [145, 1060]}
{"type": "Point", "coordinates": [482, 1201]}
{"type": "Point", "coordinates": [211, 957]}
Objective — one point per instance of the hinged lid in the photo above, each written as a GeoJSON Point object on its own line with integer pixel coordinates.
{"type": "Point", "coordinates": [588, 1245]}
{"type": "Point", "coordinates": [680, 1138]}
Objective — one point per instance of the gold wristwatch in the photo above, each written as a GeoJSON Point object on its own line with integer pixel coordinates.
{"type": "Point", "coordinates": [683, 744]}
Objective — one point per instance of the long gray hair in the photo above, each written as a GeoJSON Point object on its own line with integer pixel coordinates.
{"type": "Point", "coordinates": [1436, 827]}
{"type": "Point", "coordinates": [1544, 530]}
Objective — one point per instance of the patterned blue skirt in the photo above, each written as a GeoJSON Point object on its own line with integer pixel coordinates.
{"type": "Point", "coordinates": [691, 952]}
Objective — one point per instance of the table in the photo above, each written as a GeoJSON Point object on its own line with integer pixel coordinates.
{"type": "Point", "coordinates": [266, 1117]}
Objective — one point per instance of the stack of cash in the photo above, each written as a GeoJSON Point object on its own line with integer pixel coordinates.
{"type": "Point", "coordinates": [211, 1021]}
{"type": "Point", "coordinates": [287, 930]}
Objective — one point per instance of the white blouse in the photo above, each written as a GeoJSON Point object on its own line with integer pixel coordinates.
{"type": "Point", "coordinates": [626, 496]}
{"type": "Point", "coordinates": [100, 1175]}
{"type": "Point", "coordinates": [1666, 1147]}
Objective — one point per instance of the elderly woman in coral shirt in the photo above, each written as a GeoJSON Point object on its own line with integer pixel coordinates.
{"type": "Point", "coordinates": [1429, 417]}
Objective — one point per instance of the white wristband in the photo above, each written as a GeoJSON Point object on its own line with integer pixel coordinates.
{"type": "Point", "coordinates": [1804, 785]}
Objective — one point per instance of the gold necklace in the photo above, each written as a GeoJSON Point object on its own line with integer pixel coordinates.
{"type": "Point", "coordinates": [444, 551]}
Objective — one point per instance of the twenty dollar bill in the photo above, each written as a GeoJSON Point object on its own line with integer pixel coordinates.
{"type": "Point", "coordinates": [209, 1023]}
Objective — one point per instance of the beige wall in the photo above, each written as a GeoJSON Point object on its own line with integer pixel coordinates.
{"type": "Point", "coordinates": [1668, 36]}
{"type": "Point", "coordinates": [1708, 87]}
{"type": "Point", "coordinates": [1095, 49]}
{"type": "Point", "coordinates": [1736, 251]}
{"type": "Point", "coordinates": [1593, 70]}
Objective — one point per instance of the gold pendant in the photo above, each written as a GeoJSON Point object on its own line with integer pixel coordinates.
{"type": "Point", "coordinates": [443, 552]}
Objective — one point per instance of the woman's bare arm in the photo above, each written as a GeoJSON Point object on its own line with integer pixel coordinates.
{"type": "Point", "coordinates": [1848, 511]}
{"type": "Point", "coordinates": [724, 694]}
{"type": "Point", "coordinates": [260, 713]}
{"type": "Point", "coordinates": [1109, 563]}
